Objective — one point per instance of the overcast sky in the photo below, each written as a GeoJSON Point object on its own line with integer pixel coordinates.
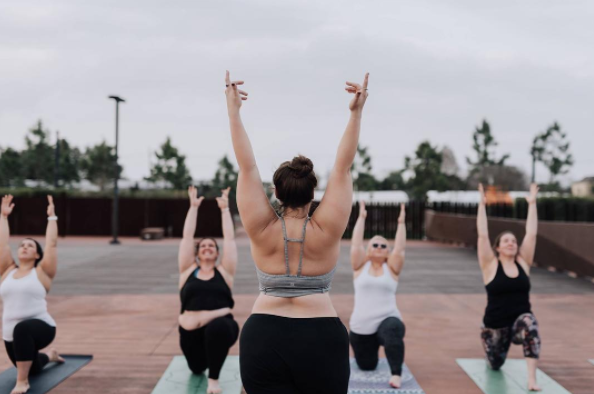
{"type": "Point", "coordinates": [437, 68]}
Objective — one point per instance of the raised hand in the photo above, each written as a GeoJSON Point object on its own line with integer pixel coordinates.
{"type": "Point", "coordinates": [483, 198]}
{"type": "Point", "coordinates": [223, 201]}
{"type": "Point", "coordinates": [51, 209]}
{"type": "Point", "coordinates": [234, 95]}
{"type": "Point", "coordinates": [402, 216]}
{"type": "Point", "coordinates": [7, 205]}
{"type": "Point", "coordinates": [362, 210]}
{"type": "Point", "coordinates": [531, 198]}
{"type": "Point", "coordinates": [195, 201]}
{"type": "Point", "coordinates": [360, 92]}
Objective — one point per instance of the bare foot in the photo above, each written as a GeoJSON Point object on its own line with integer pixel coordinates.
{"type": "Point", "coordinates": [21, 387]}
{"type": "Point", "coordinates": [213, 387]}
{"type": "Point", "coordinates": [395, 381]}
{"type": "Point", "coordinates": [532, 386]}
{"type": "Point", "coordinates": [54, 356]}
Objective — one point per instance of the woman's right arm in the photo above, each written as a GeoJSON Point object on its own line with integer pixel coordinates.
{"type": "Point", "coordinates": [186, 256]}
{"type": "Point", "coordinates": [484, 250]}
{"type": "Point", "coordinates": [6, 260]}
{"type": "Point", "coordinates": [357, 249]}
{"type": "Point", "coordinates": [254, 208]}
{"type": "Point", "coordinates": [335, 207]}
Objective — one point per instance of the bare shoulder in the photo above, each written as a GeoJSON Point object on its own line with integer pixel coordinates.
{"type": "Point", "coordinates": [10, 268]}
{"type": "Point", "coordinates": [489, 270]}
{"type": "Point", "coordinates": [183, 277]}
{"type": "Point", "coordinates": [226, 276]}
{"type": "Point", "coordinates": [525, 266]}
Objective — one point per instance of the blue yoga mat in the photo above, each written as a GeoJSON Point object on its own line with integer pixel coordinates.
{"type": "Point", "coordinates": [376, 382]}
{"type": "Point", "coordinates": [52, 375]}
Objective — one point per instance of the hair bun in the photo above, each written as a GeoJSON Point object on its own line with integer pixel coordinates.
{"type": "Point", "coordinates": [301, 166]}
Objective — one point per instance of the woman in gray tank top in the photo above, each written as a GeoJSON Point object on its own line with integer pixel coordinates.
{"type": "Point", "coordinates": [376, 320]}
{"type": "Point", "coordinates": [294, 342]}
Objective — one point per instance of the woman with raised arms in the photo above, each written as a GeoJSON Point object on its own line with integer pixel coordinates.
{"type": "Point", "coordinates": [294, 342]}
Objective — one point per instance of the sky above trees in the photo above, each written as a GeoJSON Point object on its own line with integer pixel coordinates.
{"type": "Point", "coordinates": [436, 71]}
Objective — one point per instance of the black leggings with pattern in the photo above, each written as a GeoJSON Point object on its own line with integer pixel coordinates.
{"type": "Point", "coordinates": [497, 341]}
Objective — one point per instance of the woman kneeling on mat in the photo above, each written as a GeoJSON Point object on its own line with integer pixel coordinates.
{"type": "Point", "coordinates": [506, 270]}
{"type": "Point", "coordinates": [294, 343]}
{"type": "Point", "coordinates": [376, 320]}
{"type": "Point", "coordinates": [27, 327]}
{"type": "Point", "coordinates": [206, 327]}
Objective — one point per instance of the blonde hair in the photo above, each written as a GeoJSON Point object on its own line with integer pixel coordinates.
{"type": "Point", "coordinates": [369, 247]}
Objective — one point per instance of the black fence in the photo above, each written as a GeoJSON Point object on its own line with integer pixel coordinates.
{"type": "Point", "coordinates": [382, 219]}
{"type": "Point", "coordinates": [92, 216]}
{"type": "Point", "coordinates": [549, 209]}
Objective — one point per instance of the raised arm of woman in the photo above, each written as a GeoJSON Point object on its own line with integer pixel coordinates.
{"type": "Point", "coordinates": [484, 250]}
{"type": "Point", "coordinates": [396, 258]}
{"type": "Point", "coordinates": [49, 263]}
{"type": "Point", "coordinates": [333, 211]}
{"type": "Point", "coordinates": [229, 258]}
{"type": "Point", "coordinates": [357, 249]}
{"type": "Point", "coordinates": [6, 260]}
{"type": "Point", "coordinates": [187, 253]}
{"type": "Point", "coordinates": [253, 205]}
{"type": "Point", "coordinates": [529, 241]}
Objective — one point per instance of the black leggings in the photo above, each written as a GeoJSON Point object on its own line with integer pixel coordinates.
{"type": "Point", "coordinates": [207, 347]}
{"type": "Point", "coordinates": [29, 337]}
{"type": "Point", "coordinates": [294, 356]}
{"type": "Point", "coordinates": [390, 335]}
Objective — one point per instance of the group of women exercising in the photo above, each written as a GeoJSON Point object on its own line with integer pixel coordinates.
{"type": "Point", "coordinates": [293, 342]}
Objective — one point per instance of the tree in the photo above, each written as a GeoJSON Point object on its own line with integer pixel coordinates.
{"type": "Point", "coordinates": [484, 145]}
{"type": "Point", "coordinates": [552, 149]}
{"type": "Point", "coordinates": [225, 176]}
{"type": "Point", "coordinates": [11, 172]}
{"type": "Point", "coordinates": [38, 157]}
{"type": "Point", "coordinates": [426, 171]}
{"type": "Point", "coordinates": [394, 181]}
{"type": "Point", "coordinates": [170, 168]}
{"type": "Point", "coordinates": [68, 163]}
{"type": "Point", "coordinates": [361, 168]}
{"type": "Point", "coordinates": [449, 164]}
{"type": "Point", "coordinates": [97, 165]}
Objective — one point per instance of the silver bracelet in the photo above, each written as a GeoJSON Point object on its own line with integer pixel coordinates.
{"type": "Point", "coordinates": [52, 218]}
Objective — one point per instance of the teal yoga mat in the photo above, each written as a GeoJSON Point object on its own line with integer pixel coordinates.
{"type": "Point", "coordinates": [510, 379]}
{"type": "Point", "coordinates": [376, 382]}
{"type": "Point", "coordinates": [178, 379]}
{"type": "Point", "coordinates": [52, 375]}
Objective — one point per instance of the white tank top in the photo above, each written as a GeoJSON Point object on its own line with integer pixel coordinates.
{"type": "Point", "coordinates": [375, 300]}
{"type": "Point", "coordinates": [24, 299]}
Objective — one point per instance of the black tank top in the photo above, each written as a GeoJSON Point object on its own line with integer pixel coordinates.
{"type": "Point", "coordinates": [205, 295]}
{"type": "Point", "coordinates": [507, 298]}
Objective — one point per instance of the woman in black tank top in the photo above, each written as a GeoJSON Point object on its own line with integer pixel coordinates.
{"type": "Point", "coordinates": [206, 327]}
{"type": "Point", "coordinates": [506, 268]}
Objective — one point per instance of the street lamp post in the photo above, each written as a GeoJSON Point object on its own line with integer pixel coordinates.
{"type": "Point", "coordinates": [115, 213]}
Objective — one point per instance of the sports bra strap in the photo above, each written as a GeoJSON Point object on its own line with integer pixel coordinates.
{"type": "Point", "coordinates": [286, 240]}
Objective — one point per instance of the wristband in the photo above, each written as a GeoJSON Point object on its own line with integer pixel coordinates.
{"type": "Point", "coordinates": [225, 209]}
{"type": "Point", "coordinates": [49, 218]}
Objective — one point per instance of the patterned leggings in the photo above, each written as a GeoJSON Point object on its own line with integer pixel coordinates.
{"type": "Point", "coordinates": [497, 341]}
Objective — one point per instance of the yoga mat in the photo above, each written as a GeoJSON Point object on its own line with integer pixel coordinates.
{"type": "Point", "coordinates": [376, 382]}
{"type": "Point", "coordinates": [52, 375]}
{"type": "Point", "coordinates": [179, 379]}
{"type": "Point", "coordinates": [510, 379]}
{"type": "Point", "coordinates": [592, 361]}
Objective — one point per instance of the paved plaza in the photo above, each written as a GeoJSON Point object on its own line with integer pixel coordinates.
{"type": "Point", "coordinates": [120, 303]}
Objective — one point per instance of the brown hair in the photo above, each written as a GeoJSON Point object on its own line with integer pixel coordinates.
{"type": "Point", "coordinates": [498, 241]}
{"type": "Point", "coordinates": [39, 251]}
{"type": "Point", "coordinates": [295, 182]}
{"type": "Point", "coordinates": [197, 246]}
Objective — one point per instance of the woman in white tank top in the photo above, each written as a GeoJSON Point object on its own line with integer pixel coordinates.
{"type": "Point", "coordinates": [376, 320]}
{"type": "Point", "coordinates": [27, 327]}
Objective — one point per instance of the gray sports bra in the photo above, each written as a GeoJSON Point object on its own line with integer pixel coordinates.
{"type": "Point", "coordinates": [289, 286]}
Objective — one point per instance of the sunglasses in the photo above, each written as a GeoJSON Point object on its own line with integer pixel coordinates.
{"type": "Point", "coordinates": [383, 246]}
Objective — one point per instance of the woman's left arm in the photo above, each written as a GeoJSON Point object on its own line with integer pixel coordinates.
{"type": "Point", "coordinates": [529, 242]}
{"type": "Point", "coordinates": [396, 258]}
{"type": "Point", "coordinates": [49, 263]}
{"type": "Point", "coordinates": [229, 258]}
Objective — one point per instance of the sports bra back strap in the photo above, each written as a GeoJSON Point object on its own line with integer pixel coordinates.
{"type": "Point", "coordinates": [302, 246]}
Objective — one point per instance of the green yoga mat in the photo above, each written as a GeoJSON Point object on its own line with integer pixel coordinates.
{"type": "Point", "coordinates": [52, 375]}
{"type": "Point", "coordinates": [510, 379]}
{"type": "Point", "coordinates": [178, 379]}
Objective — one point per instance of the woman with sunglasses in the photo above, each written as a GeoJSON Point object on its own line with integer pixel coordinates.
{"type": "Point", "coordinates": [27, 327]}
{"type": "Point", "coordinates": [376, 320]}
